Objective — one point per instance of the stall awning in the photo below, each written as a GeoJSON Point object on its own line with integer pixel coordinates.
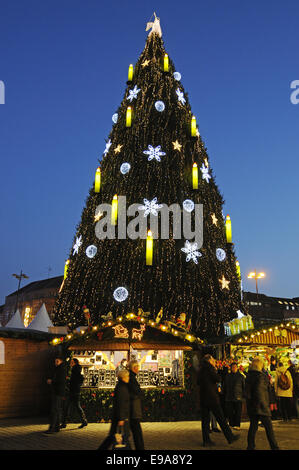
{"type": "Point", "coordinates": [275, 336]}
{"type": "Point", "coordinates": [120, 337]}
{"type": "Point", "coordinates": [120, 346]}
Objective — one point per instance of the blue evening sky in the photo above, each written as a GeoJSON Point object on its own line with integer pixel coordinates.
{"type": "Point", "coordinates": [64, 65]}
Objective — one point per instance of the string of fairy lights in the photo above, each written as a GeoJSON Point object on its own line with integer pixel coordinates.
{"type": "Point", "coordinates": [251, 335]}
{"type": "Point", "coordinates": [169, 328]}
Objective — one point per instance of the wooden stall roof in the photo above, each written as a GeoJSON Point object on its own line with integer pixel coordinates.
{"type": "Point", "coordinates": [271, 336]}
{"type": "Point", "coordinates": [106, 340]}
{"type": "Point", "coordinates": [125, 346]}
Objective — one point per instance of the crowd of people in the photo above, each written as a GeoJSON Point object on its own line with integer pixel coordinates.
{"type": "Point", "coordinates": [268, 393]}
{"type": "Point", "coordinates": [283, 391]}
{"type": "Point", "coordinates": [223, 388]}
{"type": "Point", "coordinates": [127, 403]}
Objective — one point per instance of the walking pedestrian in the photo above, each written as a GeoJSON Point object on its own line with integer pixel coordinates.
{"type": "Point", "coordinates": [121, 411]}
{"type": "Point", "coordinates": [210, 401]}
{"type": "Point", "coordinates": [272, 396]}
{"type": "Point", "coordinates": [135, 406]}
{"type": "Point", "coordinates": [292, 370]}
{"type": "Point", "coordinates": [234, 386]}
{"type": "Point", "coordinates": [258, 404]}
{"type": "Point", "coordinates": [284, 391]}
{"type": "Point", "coordinates": [73, 401]}
{"type": "Point", "coordinates": [58, 383]}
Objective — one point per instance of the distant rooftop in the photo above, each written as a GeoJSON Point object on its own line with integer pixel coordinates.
{"type": "Point", "coordinates": [267, 298]}
{"type": "Point", "coordinates": [53, 282]}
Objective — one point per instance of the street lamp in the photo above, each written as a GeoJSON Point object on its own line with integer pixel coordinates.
{"type": "Point", "coordinates": [256, 276]}
{"type": "Point", "coordinates": [20, 277]}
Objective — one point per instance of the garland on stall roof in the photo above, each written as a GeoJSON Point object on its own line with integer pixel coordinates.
{"type": "Point", "coordinates": [257, 332]}
{"type": "Point", "coordinates": [166, 327]}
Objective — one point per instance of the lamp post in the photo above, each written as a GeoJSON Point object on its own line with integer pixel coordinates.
{"type": "Point", "coordinates": [20, 277]}
{"type": "Point", "coordinates": [256, 276]}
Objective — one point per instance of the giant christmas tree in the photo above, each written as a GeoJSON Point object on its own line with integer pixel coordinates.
{"type": "Point", "coordinates": [154, 157]}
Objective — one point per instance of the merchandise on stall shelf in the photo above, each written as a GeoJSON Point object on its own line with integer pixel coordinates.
{"type": "Point", "coordinates": [157, 368]}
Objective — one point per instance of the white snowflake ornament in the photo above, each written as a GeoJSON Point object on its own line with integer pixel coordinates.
{"type": "Point", "coordinates": [154, 153]}
{"type": "Point", "coordinates": [192, 252]}
{"type": "Point", "coordinates": [205, 173]}
{"type": "Point", "coordinates": [150, 207]}
{"type": "Point", "coordinates": [108, 145]}
{"type": "Point", "coordinates": [181, 97]}
{"type": "Point", "coordinates": [133, 94]}
{"type": "Point", "coordinates": [77, 245]}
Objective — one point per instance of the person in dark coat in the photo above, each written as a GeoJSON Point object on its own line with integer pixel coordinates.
{"type": "Point", "coordinates": [73, 401]}
{"type": "Point", "coordinates": [292, 371]}
{"type": "Point", "coordinates": [135, 406]}
{"type": "Point", "coordinates": [234, 385]}
{"type": "Point", "coordinates": [58, 384]}
{"type": "Point", "coordinates": [210, 401]}
{"type": "Point", "coordinates": [121, 411]}
{"type": "Point", "coordinates": [257, 388]}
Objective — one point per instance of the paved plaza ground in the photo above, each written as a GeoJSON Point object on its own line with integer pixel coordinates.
{"type": "Point", "coordinates": [27, 434]}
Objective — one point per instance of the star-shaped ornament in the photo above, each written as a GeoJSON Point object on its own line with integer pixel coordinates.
{"type": "Point", "coordinates": [214, 219]}
{"type": "Point", "coordinates": [118, 148]}
{"type": "Point", "coordinates": [98, 216]}
{"type": "Point", "coordinates": [224, 283]}
{"type": "Point", "coordinates": [145, 63]}
{"type": "Point", "coordinates": [176, 146]}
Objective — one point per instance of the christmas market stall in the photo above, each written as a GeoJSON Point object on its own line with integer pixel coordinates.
{"type": "Point", "coordinates": [25, 361]}
{"type": "Point", "coordinates": [279, 340]}
{"type": "Point", "coordinates": [164, 352]}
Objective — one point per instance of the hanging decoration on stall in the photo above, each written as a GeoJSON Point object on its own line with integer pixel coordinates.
{"type": "Point", "coordinates": [181, 320]}
{"type": "Point", "coordinates": [282, 333]}
{"type": "Point", "coordinates": [239, 324]}
{"type": "Point", "coordinates": [138, 333]}
{"type": "Point", "coordinates": [276, 334]}
{"type": "Point", "coordinates": [176, 327]}
{"type": "Point", "coordinates": [86, 314]}
{"type": "Point", "coordinates": [120, 331]}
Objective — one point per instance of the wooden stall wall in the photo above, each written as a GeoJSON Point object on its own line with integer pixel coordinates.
{"type": "Point", "coordinates": [24, 368]}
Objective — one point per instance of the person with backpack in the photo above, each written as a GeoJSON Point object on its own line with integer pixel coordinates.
{"type": "Point", "coordinates": [73, 401]}
{"type": "Point", "coordinates": [284, 391]}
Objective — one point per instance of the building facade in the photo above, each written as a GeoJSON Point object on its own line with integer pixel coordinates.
{"type": "Point", "coordinates": [30, 298]}
{"type": "Point", "coordinates": [265, 309]}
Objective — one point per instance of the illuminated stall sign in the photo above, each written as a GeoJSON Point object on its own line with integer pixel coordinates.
{"type": "Point", "coordinates": [237, 325]}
